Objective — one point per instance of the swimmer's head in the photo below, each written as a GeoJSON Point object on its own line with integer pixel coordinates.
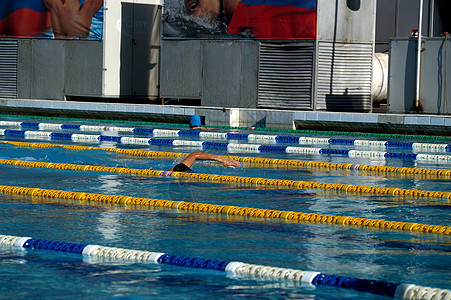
{"type": "Point", "coordinates": [194, 121]}
{"type": "Point", "coordinates": [182, 168]}
{"type": "Point", "coordinates": [204, 8]}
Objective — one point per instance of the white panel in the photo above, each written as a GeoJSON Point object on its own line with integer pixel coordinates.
{"type": "Point", "coordinates": [346, 20]}
{"type": "Point", "coordinates": [112, 48]}
{"type": "Point", "coordinates": [112, 44]}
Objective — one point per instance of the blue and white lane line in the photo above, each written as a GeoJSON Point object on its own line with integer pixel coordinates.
{"type": "Point", "coordinates": [383, 288]}
{"type": "Point", "coordinates": [253, 138]}
{"type": "Point", "coordinates": [230, 147]}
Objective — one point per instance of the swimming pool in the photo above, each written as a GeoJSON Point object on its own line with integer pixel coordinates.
{"type": "Point", "coordinates": [391, 255]}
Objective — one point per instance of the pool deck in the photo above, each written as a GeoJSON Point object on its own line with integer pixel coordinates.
{"type": "Point", "coordinates": [422, 124]}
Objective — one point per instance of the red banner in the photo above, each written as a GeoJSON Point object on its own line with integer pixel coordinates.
{"type": "Point", "coordinates": [67, 19]}
{"type": "Point", "coordinates": [275, 19]}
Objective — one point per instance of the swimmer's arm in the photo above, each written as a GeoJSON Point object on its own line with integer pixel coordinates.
{"type": "Point", "coordinates": [200, 127]}
{"type": "Point", "coordinates": [226, 161]}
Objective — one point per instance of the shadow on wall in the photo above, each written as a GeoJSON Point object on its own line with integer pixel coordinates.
{"type": "Point", "coordinates": [348, 103]}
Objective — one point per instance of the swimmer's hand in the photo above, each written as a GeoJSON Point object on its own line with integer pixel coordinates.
{"type": "Point", "coordinates": [226, 161]}
{"type": "Point", "coordinates": [230, 162]}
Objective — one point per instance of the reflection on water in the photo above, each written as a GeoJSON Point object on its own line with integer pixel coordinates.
{"type": "Point", "coordinates": [108, 225]}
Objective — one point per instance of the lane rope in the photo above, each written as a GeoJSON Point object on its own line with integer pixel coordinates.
{"type": "Point", "coordinates": [229, 147]}
{"type": "Point", "coordinates": [383, 288]}
{"type": "Point", "coordinates": [228, 210]}
{"type": "Point", "coordinates": [271, 139]}
{"type": "Point", "coordinates": [255, 161]}
{"type": "Point", "coordinates": [318, 132]}
{"type": "Point", "coordinates": [238, 179]}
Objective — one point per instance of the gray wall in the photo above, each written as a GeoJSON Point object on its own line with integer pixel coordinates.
{"type": "Point", "coordinates": [222, 73]}
{"type": "Point", "coordinates": [436, 76]}
{"type": "Point", "coordinates": [176, 56]}
{"type": "Point", "coordinates": [435, 97]}
{"type": "Point", "coordinates": [397, 18]}
{"type": "Point", "coordinates": [51, 69]}
{"type": "Point", "coordinates": [230, 74]}
{"type": "Point", "coordinates": [401, 75]}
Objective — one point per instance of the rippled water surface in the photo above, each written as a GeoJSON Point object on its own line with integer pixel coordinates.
{"type": "Point", "coordinates": [370, 253]}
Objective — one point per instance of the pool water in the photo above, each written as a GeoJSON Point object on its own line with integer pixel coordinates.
{"type": "Point", "coordinates": [368, 253]}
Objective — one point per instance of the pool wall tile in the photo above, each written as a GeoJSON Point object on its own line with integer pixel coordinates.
{"type": "Point", "coordinates": [437, 121]}
{"type": "Point", "coordinates": [417, 120]}
{"type": "Point", "coordinates": [190, 111]}
{"type": "Point", "coordinates": [391, 119]}
{"type": "Point", "coordinates": [299, 115]}
{"type": "Point", "coordinates": [158, 110]}
{"type": "Point", "coordinates": [179, 111]}
{"type": "Point", "coordinates": [360, 118]}
{"type": "Point", "coordinates": [335, 117]}
{"type": "Point", "coordinates": [129, 109]}
{"type": "Point", "coordinates": [323, 116]}
{"type": "Point", "coordinates": [139, 108]}
{"type": "Point", "coordinates": [346, 117]}
{"type": "Point", "coordinates": [311, 116]}
{"type": "Point", "coordinates": [241, 117]}
{"type": "Point", "coordinates": [371, 118]}
{"type": "Point", "coordinates": [166, 110]}
{"type": "Point", "coordinates": [216, 117]}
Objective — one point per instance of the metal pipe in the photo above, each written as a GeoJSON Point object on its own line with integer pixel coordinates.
{"type": "Point", "coordinates": [420, 25]}
{"type": "Point", "coordinates": [431, 18]}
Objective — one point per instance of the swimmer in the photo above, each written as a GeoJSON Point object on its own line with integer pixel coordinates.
{"type": "Point", "coordinates": [70, 19]}
{"type": "Point", "coordinates": [212, 9]}
{"type": "Point", "coordinates": [186, 164]}
{"type": "Point", "coordinates": [195, 123]}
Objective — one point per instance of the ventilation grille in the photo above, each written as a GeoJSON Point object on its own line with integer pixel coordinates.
{"type": "Point", "coordinates": [8, 68]}
{"type": "Point", "coordinates": [286, 75]}
{"type": "Point", "coordinates": [344, 77]}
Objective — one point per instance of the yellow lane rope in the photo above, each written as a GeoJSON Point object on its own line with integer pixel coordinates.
{"type": "Point", "coordinates": [227, 209]}
{"type": "Point", "coordinates": [255, 161]}
{"type": "Point", "coordinates": [238, 179]}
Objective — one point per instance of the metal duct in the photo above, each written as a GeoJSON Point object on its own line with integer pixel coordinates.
{"type": "Point", "coordinates": [286, 75]}
{"type": "Point", "coordinates": [9, 50]}
{"type": "Point", "coordinates": [344, 76]}
{"type": "Point", "coordinates": [380, 76]}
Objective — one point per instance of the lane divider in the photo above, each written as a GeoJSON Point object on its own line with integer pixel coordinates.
{"type": "Point", "coordinates": [254, 161]}
{"type": "Point", "coordinates": [230, 147]}
{"type": "Point", "coordinates": [238, 179]}
{"type": "Point", "coordinates": [383, 288]}
{"type": "Point", "coordinates": [228, 210]}
{"type": "Point", "coordinates": [272, 139]}
{"type": "Point", "coordinates": [318, 132]}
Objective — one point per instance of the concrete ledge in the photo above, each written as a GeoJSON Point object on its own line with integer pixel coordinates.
{"type": "Point", "coordinates": [235, 117]}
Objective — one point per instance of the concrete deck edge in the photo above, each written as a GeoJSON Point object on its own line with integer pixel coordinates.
{"type": "Point", "coordinates": [235, 117]}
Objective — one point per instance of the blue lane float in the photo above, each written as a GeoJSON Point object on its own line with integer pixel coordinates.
{"type": "Point", "coordinates": [382, 288]}
{"type": "Point", "coordinates": [222, 146]}
{"type": "Point", "coordinates": [416, 147]}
